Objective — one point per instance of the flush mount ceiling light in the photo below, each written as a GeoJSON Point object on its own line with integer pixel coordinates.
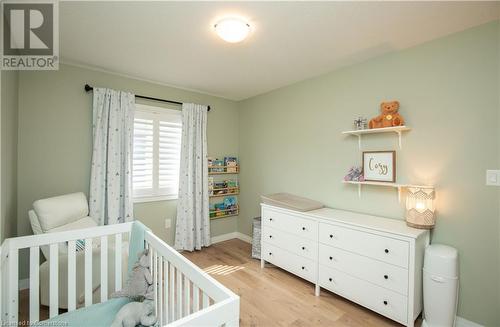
{"type": "Point", "coordinates": [232, 30]}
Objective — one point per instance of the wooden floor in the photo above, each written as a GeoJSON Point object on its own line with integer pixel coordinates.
{"type": "Point", "coordinates": [273, 297]}
{"type": "Point", "coordinates": [269, 297]}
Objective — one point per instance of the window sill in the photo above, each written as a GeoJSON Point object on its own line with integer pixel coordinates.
{"type": "Point", "coordinates": [155, 198]}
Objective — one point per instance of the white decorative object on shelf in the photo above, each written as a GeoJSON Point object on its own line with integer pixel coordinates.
{"type": "Point", "coordinates": [397, 129]}
{"type": "Point", "coordinates": [373, 261]}
{"type": "Point", "coordinates": [394, 185]}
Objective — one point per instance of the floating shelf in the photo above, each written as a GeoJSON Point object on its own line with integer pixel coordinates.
{"type": "Point", "coordinates": [397, 129]}
{"type": "Point", "coordinates": [226, 213]}
{"type": "Point", "coordinates": [223, 195]}
{"type": "Point", "coordinates": [224, 170]}
{"type": "Point", "coordinates": [393, 185]}
{"type": "Point", "coordinates": [225, 216]}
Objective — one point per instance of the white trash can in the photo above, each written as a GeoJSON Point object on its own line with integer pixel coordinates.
{"type": "Point", "coordinates": [440, 286]}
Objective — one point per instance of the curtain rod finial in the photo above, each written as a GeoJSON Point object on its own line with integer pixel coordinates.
{"type": "Point", "coordinates": [88, 88]}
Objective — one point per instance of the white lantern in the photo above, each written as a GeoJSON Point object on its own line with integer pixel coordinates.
{"type": "Point", "coordinates": [420, 212]}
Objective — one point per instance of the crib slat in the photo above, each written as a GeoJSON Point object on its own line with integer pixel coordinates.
{"type": "Point", "coordinates": [165, 292]}
{"type": "Point", "coordinates": [88, 272]}
{"type": "Point", "coordinates": [118, 262]}
{"type": "Point", "coordinates": [179, 294]}
{"type": "Point", "coordinates": [13, 285]}
{"type": "Point", "coordinates": [160, 290]}
{"type": "Point", "coordinates": [71, 276]}
{"type": "Point", "coordinates": [154, 271]}
{"type": "Point", "coordinates": [34, 278]}
{"type": "Point", "coordinates": [187, 296]}
{"type": "Point", "coordinates": [196, 298]}
{"type": "Point", "coordinates": [54, 280]}
{"type": "Point", "coordinates": [206, 300]}
{"type": "Point", "coordinates": [172, 293]}
{"type": "Point", "coordinates": [104, 268]}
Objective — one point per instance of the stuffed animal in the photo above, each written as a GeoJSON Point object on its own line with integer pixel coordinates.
{"type": "Point", "coordinates": [135, 313]}
{"type": "Point", "coordinates": [389, 117]}
{"type": "Point", "coordinates": [140, 279]}
{"type": "Point", "coordinates": [355, 174]}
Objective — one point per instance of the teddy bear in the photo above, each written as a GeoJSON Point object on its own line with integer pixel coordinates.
{"type": "Point", "coordinates": [389, 117]}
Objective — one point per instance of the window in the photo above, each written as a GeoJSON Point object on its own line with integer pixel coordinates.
{"type": "Point", "coordinates": [156, 157]}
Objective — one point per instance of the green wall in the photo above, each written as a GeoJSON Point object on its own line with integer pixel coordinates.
{"type": "Point", "coordinates": [291, 141]}
{"type": "Point", "coordinates": [8, 148]}
{"type": "Point", "coordinates": [55, 138]}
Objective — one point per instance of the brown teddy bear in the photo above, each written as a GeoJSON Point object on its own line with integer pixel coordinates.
{"type": "Point", "coordinates": [389, 117]}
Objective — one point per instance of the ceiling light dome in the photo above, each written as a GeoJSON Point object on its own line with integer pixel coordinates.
{"type": "Point", "coordinates": [232, 30]}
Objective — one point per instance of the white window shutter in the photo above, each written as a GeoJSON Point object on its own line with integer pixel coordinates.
{"type": "Point", "coordinates": [143, 156]}
{"type": "Point", "coordinates": [157, 146]}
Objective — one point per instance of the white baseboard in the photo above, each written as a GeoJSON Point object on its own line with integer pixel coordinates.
{"type": "Point", "coordinates": [462, 322]}
{"type": "Point", "coordinates": [24, 284]}
{"type": "Point", "coordinates": [230, 236]}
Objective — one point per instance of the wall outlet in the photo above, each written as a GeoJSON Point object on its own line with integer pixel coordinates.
{"type": "Point", "coordinates": [168, 223]}
{"type": "Point", "coordinates": [493, 177]}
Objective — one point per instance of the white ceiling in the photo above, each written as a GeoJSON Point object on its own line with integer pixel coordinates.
{"type": "Point", "coordinates": [174, 43]}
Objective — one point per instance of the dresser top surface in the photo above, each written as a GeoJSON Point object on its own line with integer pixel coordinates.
{"type": "Point", "coordinates": [382, 224]}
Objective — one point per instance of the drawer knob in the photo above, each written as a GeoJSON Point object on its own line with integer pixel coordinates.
{"type": "Point", "coordinates": [331, 235]}
{"type": "Point", "coordinates": [303, 267]}
{"type": "Point", "coordinates": [303, 228]}
{"type": "Point", "coordinates": [386, 277]}
{"type": "Point", "coordinates": [386, 250]}
{"type": "Point", "coordinates": [330, 279]}
{"type": "Point", "coordinates": [270, 253]}
{"type": "Point", "coordinates": [270, 219]}
{"type": "Point", "coordinates": [303, 248]}
{"type": "Point", "coordinates": [331, 258]}
{"type": "Point", "coordinates": [270, 236]}
{"type": "Point", "coordinates": [385, 302]}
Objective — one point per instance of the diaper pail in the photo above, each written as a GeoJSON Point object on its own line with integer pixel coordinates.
{"type": "Point", "coordinates": [440, 286]}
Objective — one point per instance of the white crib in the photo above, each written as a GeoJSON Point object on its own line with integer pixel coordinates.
{"type": "Point", "coordinates": [184, 294]}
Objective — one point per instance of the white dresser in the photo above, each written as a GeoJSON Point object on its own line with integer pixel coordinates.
{"type": "Point", "coordinates": [373, 261]}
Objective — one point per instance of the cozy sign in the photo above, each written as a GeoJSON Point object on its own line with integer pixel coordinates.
{"type": "Point", "coordinates": [379, 166]}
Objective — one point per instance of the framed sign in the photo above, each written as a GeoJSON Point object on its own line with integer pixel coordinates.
{"type": "Point", "coordinates": [379, 166]}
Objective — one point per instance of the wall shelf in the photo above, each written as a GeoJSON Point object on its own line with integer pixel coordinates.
{"type": "Point", "coordinates": [399, 187]}
{"type": "Point", "coordinates": [397, 129]}
{"type": "Point", "coordinates": [216, 214]}
{"type": "Point", "coordinates": [221, 170]}
{"type": "Point", "coordinates": [223, 195]}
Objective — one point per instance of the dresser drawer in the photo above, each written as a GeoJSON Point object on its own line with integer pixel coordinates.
{"type": "Point", "coordinates": [374, 246]}
{"type": "Point", "coordinates": [381, 300]}
{"type": "Point", "coordinates": [290, 223]}
{"type": "Point", "coordinates": [301, 246]}
{"type": "Point", "coordinates": [295, 264]}
{"type": "Point", "coordinates": [374, 271]}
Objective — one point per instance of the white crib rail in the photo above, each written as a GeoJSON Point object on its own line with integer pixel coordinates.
{"type": "Point", "coordinates": [9, 263]}
{"type": "Point", "coordinates": [184, 294]}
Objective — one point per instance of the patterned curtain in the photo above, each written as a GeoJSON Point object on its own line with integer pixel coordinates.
{"type": "Point", "coordinates": [110, 200]}
{"type": "Point", "coordinates": [192, 230]}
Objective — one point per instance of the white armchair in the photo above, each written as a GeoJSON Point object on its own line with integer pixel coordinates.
{"type": "Point", "coordinates": [63, 213]}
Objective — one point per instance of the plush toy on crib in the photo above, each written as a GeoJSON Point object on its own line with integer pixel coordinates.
{"type": "Point", "coordinates": [136, 314]}
{"type": "Point", "coordinates": [138, 288]}
{"type": "Point", "coordinates": [139, 280]}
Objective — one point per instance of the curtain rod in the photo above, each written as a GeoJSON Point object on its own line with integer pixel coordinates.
{"type": "Point", "coordinates": [89, 88]}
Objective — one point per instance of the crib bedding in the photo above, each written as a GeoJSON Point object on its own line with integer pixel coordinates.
{"type": "Point", "coordinates": [97, 315]}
